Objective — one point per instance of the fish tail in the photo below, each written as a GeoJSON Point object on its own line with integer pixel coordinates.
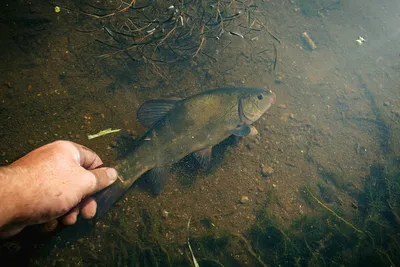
{"type": "Point", "coordinates": [107, 197]}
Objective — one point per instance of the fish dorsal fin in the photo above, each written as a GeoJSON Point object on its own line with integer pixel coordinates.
{"type": "Point", "coordinates": [152, 111]}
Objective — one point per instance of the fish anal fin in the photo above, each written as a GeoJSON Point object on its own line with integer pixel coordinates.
{"type": "Point", "coordinates": [156, 178]}
{"type": "Point", "coordinates": [152, 111]}
{"type": "Point", "coordinates": [203, 157]}
{"type": "Point", "coordinates": [106, 198]}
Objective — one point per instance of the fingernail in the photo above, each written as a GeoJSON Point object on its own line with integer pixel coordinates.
{"type": "Point", "coordinates": [112, 174]}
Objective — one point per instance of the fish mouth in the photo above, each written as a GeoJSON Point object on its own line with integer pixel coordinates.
{"type": "Point", "coordinates": [242, 116]}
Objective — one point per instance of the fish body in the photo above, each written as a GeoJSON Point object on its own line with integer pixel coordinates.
{"type": "Point", "coordinates": [178, 128]}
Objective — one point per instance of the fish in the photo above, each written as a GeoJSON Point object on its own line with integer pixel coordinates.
{"type": "Point", "coordinates": [179, 127]}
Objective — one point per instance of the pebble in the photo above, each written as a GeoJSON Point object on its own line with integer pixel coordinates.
{"type": "Point", "coordinates": [165, 214]}
{"type": "Point", "coordinates": [266, 171]}
{"type": "Point", "coordinates": [244, 199]}
{"type": "Point", "coordinates": [396, 112]}
{"type": "Point", "coordinates": [282, 106]}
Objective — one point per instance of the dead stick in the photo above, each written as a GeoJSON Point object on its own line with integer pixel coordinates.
{"type": "Point", "coordinates": [111, 14]}
{"type": "Point", "coordinates": [334, 213]}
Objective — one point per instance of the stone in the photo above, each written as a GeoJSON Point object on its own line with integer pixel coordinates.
{"type": "Point", "coordinates": [165, 214]}
{"type": "Point", "coordinates": [244, 200]}
{"type": "Point", "coordinates": [266, 171]}
{"type": "Point", "coordinates": [282, 106]}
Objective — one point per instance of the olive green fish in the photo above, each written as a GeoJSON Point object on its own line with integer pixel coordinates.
{"type": "Point", "coordinates": [178, 128]}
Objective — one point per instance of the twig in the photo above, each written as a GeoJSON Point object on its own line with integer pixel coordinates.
{"type": "Point", "coordinates": [275, 56]}
{"type": "Point", "coordinates": [203, 40]}
{"type": "Point", "coordinates": [165, 37]}
{"type": "Point", "coordinates": [196, 264]}
{"type": "Point", "coordinates": [387, 256]}
{"type": "Point", "coordinates": [111, 14]}
{"type": "Point", "coordinates": [270, 33]}
{"type": "Point", "coordinates": [250, 249]}
{"type": "Point", "coordinates": [334, 213]}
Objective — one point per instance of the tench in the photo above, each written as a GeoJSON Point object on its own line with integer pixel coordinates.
{"type": "Point", "coordinates": [178, 128]}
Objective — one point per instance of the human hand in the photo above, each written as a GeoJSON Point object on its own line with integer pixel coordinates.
{"type": "Point", "coordinates": [50, 182]}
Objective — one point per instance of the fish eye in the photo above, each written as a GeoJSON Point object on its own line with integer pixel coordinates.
{"type": "Point", "coordinates": [260, 97]}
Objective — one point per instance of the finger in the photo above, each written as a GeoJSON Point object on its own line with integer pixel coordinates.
{"type": "Point", "coordinates": [11, 232]}
{"type": "Point", "coordinates": [88, 159]}
{"type": "Point", "coordinates": [88, 208]}
{"type": "Point", "coordinates": [71, 217]}
{"type": "Point", "coordinates": [103, 177]}
{"type": "Point", "coordinates": [49, 226]}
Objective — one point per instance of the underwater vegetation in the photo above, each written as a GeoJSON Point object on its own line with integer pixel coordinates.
{"type": "Point", "coordinates": [323, 237]}
{"type": "Point", "coordinates": [327, 236]}
{"type": "Point", "coordinates": [163, 31]}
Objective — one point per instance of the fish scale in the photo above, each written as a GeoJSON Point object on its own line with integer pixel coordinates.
{"type": "Point", "coordinates": [181, 127]}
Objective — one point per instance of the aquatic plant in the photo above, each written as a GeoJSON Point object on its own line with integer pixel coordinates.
{"type": "Point", "coordinates": [165, 31]}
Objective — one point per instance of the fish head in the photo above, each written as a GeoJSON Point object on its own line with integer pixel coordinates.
{"type": "Point", "coordinates": [253, 105]}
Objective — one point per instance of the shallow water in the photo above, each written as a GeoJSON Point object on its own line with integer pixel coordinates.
{"type": "Point", "coordinates": [332, 138]}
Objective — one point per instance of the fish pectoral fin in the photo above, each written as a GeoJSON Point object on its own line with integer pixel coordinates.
{"type": "Point", "coordinates": [156, 178]}
{"type": "Point", "coordinates": [242, 130]}
{"type": "Point", "coordinates": [152, 111]}
{"type": "Point", "coordinates": [203, 157]}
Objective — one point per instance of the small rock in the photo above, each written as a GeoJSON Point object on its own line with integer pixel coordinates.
{"type": "Point", "coordinates": [266, 171]}
{"type": "Point", "coordinates": [31, 142]}
{"type": "Point", "coordinates": [244, 199]}
{"type": "Point", "coordinates": [386, 104]}
{"type": "Point", "coordinates": [396, 112]}
{"type": "Point", "coordinates": [165, 214]}
{"type": "Point", "coordinates": [274, 185]}
{"type": "Point", "coordinates": [282, 106]}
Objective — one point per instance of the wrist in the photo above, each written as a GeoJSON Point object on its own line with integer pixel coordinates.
{"type": "Point", "coordinates": [10, 195]}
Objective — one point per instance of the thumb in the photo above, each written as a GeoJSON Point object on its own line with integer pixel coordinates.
{"type": "Point", "coordinates": [104, 177]}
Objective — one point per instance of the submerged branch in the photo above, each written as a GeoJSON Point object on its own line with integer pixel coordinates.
{"type": "Point", "coordinates": [334, 213]}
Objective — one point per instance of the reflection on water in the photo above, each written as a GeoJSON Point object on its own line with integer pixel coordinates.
{"type": "Point", "coordinates": [318, 186]}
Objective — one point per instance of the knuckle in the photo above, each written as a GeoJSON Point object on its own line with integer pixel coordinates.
{"type": "Point", "coordinates": [64, 208]}
{"type": "Point", "coordinates": [94, 183]}
{"type": "Point", "coordinates": [61, 143]}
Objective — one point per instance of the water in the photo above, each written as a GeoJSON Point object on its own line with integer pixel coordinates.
{"type": "Point", "coordinates": [332, 138]}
